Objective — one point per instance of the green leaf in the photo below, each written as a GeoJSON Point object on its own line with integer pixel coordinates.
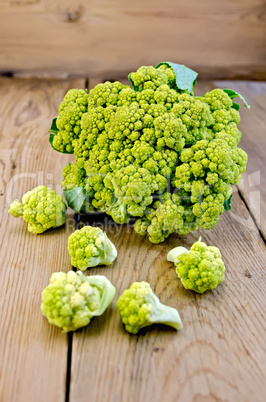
{"type": "Point", "coordinates": [185, 78]}
{"type": "Point", "coordinates": [75, 198]}
{"type": "Point", "coordinates": [227, 203]}
{"type": "Point", "coordinates": [53, 131]}
{"type": "Point", "coordinates": [131, 82]}
{"type": "Point", "coordinates": [233, 94]}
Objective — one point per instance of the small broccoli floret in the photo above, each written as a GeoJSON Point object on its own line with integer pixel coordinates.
{"type": "Point", "coordinates": [195, 115]}
{"type": "Point", "coordinates": [133, 188]}
{"type": "Point", "coordinates": [164, 68]}
{"type": "Point", "coordinates": [71, 300]}
{"type": "Point", "coordinates": [74, 176]}
{"type": "Point", "coordinates": [42, 208]}
{"type": "Point", "coordinates": [139, 307]}
{"type": "Point", "coordinates": [148, 77]}
{"type": "Point", "coordinates": [199, 269]}
{"type": "Point", "coordinates": [105, 94]}
{"type": "Point", "coordinates": [89, 247]}
{"type": "Point", "coordinates": [74, 105]}
{"type": "Point", "coordinates": [217, 99]}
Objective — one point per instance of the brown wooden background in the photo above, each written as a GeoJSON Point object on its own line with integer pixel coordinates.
{"type": "Point", "coordinates": [110, 38]}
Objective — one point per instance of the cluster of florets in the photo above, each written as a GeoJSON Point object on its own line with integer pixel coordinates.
{"type": "Point", "coordinates": [42, 208]}
{"type": "Point", "coordinates": [201, 268]}
{"type": "Point", "coordinates": [152, 152]}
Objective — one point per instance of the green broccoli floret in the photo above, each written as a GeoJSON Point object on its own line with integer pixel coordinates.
{"type": "Point", "coordinates": [148, 77]}
{"type": "Point", "coordinates": [89, 247]}
{"type": "Point", "coordinates": [139, 307]}
{"type": "Point", "coordinates": [71, 300]}
{"type": "Point", "coordinates": [217, 99]}
{"type": "Point", "coordinates": [199, 269]}
{"type": "Point", "coordinates": [105, 94]}
{"type": "Point", "coordinates": [195, 115]}
{"type": "Point", "coordinates": [132, 188]}
{"type": "Point", "coordinates": [42, 208]}
{"type": "Point", "coordinates": [75, 103]}
{"type": "Point", "coordinates": [74, 176]}
{"type": "Point", "coordinates": [164, 218]}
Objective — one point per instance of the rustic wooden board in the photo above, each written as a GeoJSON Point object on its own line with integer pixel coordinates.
{"type": "Point", "coordinates": [220, 352]}
{"type": "Point", "coordinates": [33, 353]}
{"type": "Point", "coordinates": [224, 39]}
{"type": "Point", "coordinates": [253, 127]}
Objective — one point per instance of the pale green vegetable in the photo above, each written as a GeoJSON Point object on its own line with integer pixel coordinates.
{"type": "Point", "coordinates": [199, 269]}
{"type": "Point", "coordinates": [71, 300]}
{"type": "Point", "coordinates": [89, 247]}
{"type": "Point", "coordinates": [139, 307]}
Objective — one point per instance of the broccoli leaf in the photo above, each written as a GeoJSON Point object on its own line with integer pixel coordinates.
{"type": "Point", "coordinates": [54, 128]}
{"type": "Point", "coordinates": [75, 198]}
{"type": "Point", "coordinates": [185, 78]}
{"type": "Point", "coordinates": [53, 131]}
{"type": "Point", "coordinates": [233, 94]}
{"type": "Point", "coordinates": [131, 81]}
{"type": "Point", "coordinates": [227, 203]}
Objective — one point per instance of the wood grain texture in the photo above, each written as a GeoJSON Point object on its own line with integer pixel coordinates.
{"type": "Point", "coordinates": [33, 353]}
{"type": "Point", "coordinates": [219, 355]}
{"type": "Point", "coordinates": [105, 38]}
{"type": "Point", "coordinates": [253, 126]}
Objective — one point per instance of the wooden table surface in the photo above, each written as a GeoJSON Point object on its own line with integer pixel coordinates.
{"type": "Point", "coordinates": [219, 355]}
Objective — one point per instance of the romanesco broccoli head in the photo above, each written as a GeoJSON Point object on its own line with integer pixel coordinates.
{"type": "Point", "coordinates": [42, 208]}
{"type": "Point", "coordinates": [139, 307]}
{"type": "Point", "coordinates": [187, 146]}
{"type": "Point", "coordinates": [71, 300]}
{"type": "Point", "coordinates": [199, 269]}
{"type": "Point", "coordinates": [89, 247]}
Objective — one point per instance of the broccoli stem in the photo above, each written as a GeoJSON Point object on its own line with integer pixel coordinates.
{"type": "Point", "coordinates": [162, 314]}
{"type": "Point", "coordinates": [166, 315]}
{"type": "Point", "coordinates": [175, 252]}
{"type": "Point", "coordinates": [108, 251]}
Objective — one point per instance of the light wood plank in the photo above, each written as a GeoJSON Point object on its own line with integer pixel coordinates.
{"type": "Point", "coordinates": [110, 37]}
{"type": "Point", "coordinates": [253, 127]}
{"type": "Point", "coordinates": [219, 355]}
{"type": "Point", "coordinates": [33, 353]}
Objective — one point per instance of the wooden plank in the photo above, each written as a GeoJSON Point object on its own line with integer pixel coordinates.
{"type": "Point", "coordinates": [33, 353]}
{"type": "Point", "coordinates": [219, 355]}
{"type": "Point", "coordinates": [253, 126]}
{"type": "Point", "coordinates": [110, 37]}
